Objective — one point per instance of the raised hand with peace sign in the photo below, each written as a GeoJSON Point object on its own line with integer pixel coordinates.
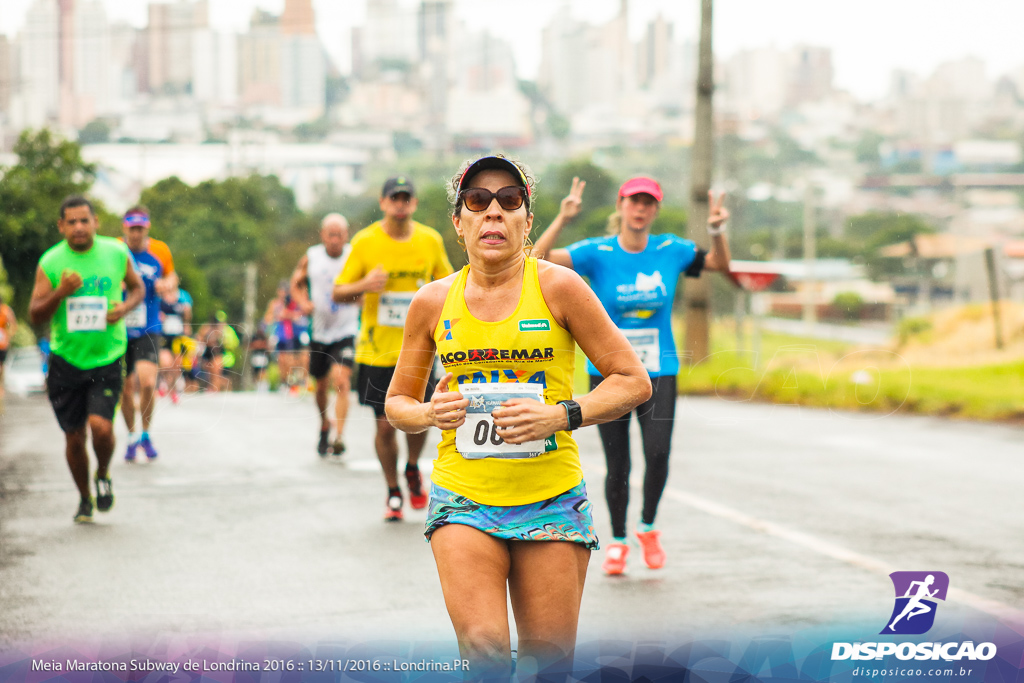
{"type": "Point", "coordinates": [570, 206]}
{"type": "Point", "coordinates": [568, 210]}
{"type": "Point", "coordinates": [717, 213]}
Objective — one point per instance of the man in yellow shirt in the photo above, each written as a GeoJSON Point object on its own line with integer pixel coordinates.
{"type": "Point", "coordinates": [390, 260]}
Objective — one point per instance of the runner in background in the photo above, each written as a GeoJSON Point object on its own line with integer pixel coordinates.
{"type": "Point", "coordinates": [634, 274]}
{"type": "Point", "coordinates": [8, 326]}
{"type": "Point", "coordinates": [390, 260]}
{"type": "Point", "coordinates": [332, 345]}
{"type": "Point", "coordinates": [142, 359]}
{"type": "Point", "coordinates": [509, 517]}
{"type": "Point", "coordinates": [259, 359]}
{"type": "Point", "coordinates": [219, 343]}
{"type": "Point", "coordinates": [78, 290]}
{"type": "Point", "coordinates": [280, 318]}
{"type": "Point", "coordinates": [175, 321]}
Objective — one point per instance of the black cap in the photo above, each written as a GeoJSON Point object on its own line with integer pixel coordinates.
{"type": "Point", "coordinates": [494, 162]}
{"type": "Point", "coordinates": [397, 185]}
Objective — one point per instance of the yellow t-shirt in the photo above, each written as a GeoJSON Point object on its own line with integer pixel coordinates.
{"type": "Point", "coordinates": [528, 347]}
{"type": "Point", "coordinates": [410, 264]}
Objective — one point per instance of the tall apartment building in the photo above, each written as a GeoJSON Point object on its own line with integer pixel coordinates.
{"type": "Point", "coordinates": [6, 74]}
{"type": "Point", "coordinates": [259, 61]}
{"type": "Point", "coordinates": [170, 34]}
{"type": "Point", "coordinates": [37, 98]}
{"type": "Point", "coordinates": [90, 90]}
{"type": "Point", "coordinates": [281, 62]}
{"type": "Point", "coordinates": [389, 34]}
{"type": "Point", "coordinates": [304, 65]}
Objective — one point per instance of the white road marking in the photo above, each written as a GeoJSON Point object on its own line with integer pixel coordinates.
{"type": "Point", "coordinates": [1011, 616]}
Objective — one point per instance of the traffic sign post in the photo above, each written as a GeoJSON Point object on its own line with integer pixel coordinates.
{"type": "Point", "coordinates": [753, 277]}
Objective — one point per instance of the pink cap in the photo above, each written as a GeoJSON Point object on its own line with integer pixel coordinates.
{"type": "Point", "coordinates": [641, 185]}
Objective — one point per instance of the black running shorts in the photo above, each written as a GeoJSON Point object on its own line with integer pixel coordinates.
{"type": "Point", "coordinates": [144, 348]}
{"type": "Point", "coordinates": [323, 356]}
{"type": "Point", "coordinates": [372, 384]}
{"type": "Point", "coordinates": [76, 394]}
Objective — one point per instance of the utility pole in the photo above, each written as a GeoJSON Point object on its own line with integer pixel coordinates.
{"type": "Point", "coordinates": [993, 289]}
{"type": "Point", "coordinates": [249, 312]}
{"type": "Point", "coordinates": [697, 293]}
{"type": "Point", "coordinates": [810, 257]}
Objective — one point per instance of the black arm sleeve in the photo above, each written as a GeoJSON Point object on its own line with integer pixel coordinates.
{"type": "Point", "coordinates": [697, 267]}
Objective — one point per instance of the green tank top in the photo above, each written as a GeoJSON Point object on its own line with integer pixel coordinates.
{"type": "Point", "coordinates": [79, 332]}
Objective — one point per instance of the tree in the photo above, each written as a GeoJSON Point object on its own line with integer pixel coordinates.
{"type": "Point", "coordinates": [216, 227]}
{"type": "Point", "coordinates": [5, 287]}
{"type": "Point", "coordinates": [49, 169]}
{"type": "Point", "coordinates": [95, 131]}
{"type": "Point", "coordinates": [870, 232]}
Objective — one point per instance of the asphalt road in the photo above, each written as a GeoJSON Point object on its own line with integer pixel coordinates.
{"type": "Point", "coordinates": [776, 520]}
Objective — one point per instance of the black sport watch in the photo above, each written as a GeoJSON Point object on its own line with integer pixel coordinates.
{"type": "Point", "coordinates": [573, 413]}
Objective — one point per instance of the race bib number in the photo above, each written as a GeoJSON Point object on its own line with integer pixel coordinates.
{"type": "Point", "coordinates": [173, 325]}
{"type": "Point", "coordinates": [136, 318]}
{"type": "Point", "coordinates": [478, 437]}
{"type": "Point", "coordinates": [646, 344]}
{"type": "Point", "coordinates": [86, 313]}
{"type": "Point", "coordinates": [393, 308]}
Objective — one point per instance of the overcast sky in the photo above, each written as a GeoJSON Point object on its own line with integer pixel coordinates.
{"type": "Point", "coordinates": [869, 38]}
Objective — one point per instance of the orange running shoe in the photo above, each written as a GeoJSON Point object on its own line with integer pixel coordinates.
{"type": "Point", "coordinates": [393, 512]}
{"type": "Point", "coordinates": [615, 559]}
{"type": "Point", "coordinates": [417, 498]}
{"type": "Point", "coordinates": [654, 554]}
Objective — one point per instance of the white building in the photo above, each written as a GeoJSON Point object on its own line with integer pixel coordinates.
{"type": "Point", "coordinates": [91, 73]}
{"type": "Point", "coordinates": [303, 74]}
{"type": "Point", "coordinates": [36, 100]}
{"type": "Point", "coordinates": [215, 68]}
{"type": "Point", "coordinates": [389, 35]}
{"type": "Point", "coordinates": [172, 26]}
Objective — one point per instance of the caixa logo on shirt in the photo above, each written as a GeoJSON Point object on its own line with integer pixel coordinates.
{"type": "Point", "coordinates": [95, 285]}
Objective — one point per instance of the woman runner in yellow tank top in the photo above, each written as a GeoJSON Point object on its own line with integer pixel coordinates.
{"type": "Point", "coordinates": [508, 505]}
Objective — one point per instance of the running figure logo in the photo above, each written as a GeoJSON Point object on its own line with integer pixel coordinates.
{"type": "Point", "coordinates": [649, 283]}
{"type": "Point", "coordinates": [916, 595]}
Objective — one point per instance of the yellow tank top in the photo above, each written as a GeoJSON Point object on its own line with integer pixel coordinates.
{"type": "Point", "coordinates": [528, 347]}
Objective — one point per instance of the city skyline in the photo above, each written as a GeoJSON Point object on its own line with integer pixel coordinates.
{"type": "Point", "coordinates": [865, 50]}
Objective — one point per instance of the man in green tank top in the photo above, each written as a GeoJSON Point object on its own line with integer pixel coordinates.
{"type": "Point", "coordinates": [78, 289]}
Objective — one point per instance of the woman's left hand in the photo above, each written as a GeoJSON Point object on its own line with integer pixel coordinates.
{"type": "Point", "coordinates": [523, 419]}
{"type": "Point", "coordinates": [717, 213]}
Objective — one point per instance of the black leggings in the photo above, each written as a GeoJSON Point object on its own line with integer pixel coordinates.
{"type": "Point", "coordinates": [656, 417]}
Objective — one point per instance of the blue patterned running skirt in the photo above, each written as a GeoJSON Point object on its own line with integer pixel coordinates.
{"type": "Point", "coordinates": [565, 517]}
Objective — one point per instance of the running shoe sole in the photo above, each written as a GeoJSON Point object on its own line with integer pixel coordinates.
{"type": "Point", "coordinates": [615, 559]}
{"type": "Point", "coordinates": [650, 543]}
{"type": "Point", "coordinates": [147, 448]}
{"type": "Point", "coordinates": [393, 512]}
{"type": "Point", "coordinates": [104, 495]}
{"type": "Point", "coordinates": [84, 514]}
{"type": "Point", "coordinates": [414, 480]}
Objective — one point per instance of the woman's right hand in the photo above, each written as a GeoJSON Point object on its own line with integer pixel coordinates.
{"type": "Point", "coordinates": [447, 409]}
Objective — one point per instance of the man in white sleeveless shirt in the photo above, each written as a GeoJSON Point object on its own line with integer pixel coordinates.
{"type": "Point", "coordinates": [332, 347]}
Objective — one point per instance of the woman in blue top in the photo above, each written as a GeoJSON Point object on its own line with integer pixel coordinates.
{"type": "Point", "coordinates": [634, 274]}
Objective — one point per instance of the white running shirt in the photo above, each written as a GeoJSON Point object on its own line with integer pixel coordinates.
{"type": "Point", "coordinates": [331, 322]}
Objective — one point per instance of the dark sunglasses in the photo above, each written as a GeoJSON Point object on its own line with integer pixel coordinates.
{"type": "Point", "coordinates": [479, 198]}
